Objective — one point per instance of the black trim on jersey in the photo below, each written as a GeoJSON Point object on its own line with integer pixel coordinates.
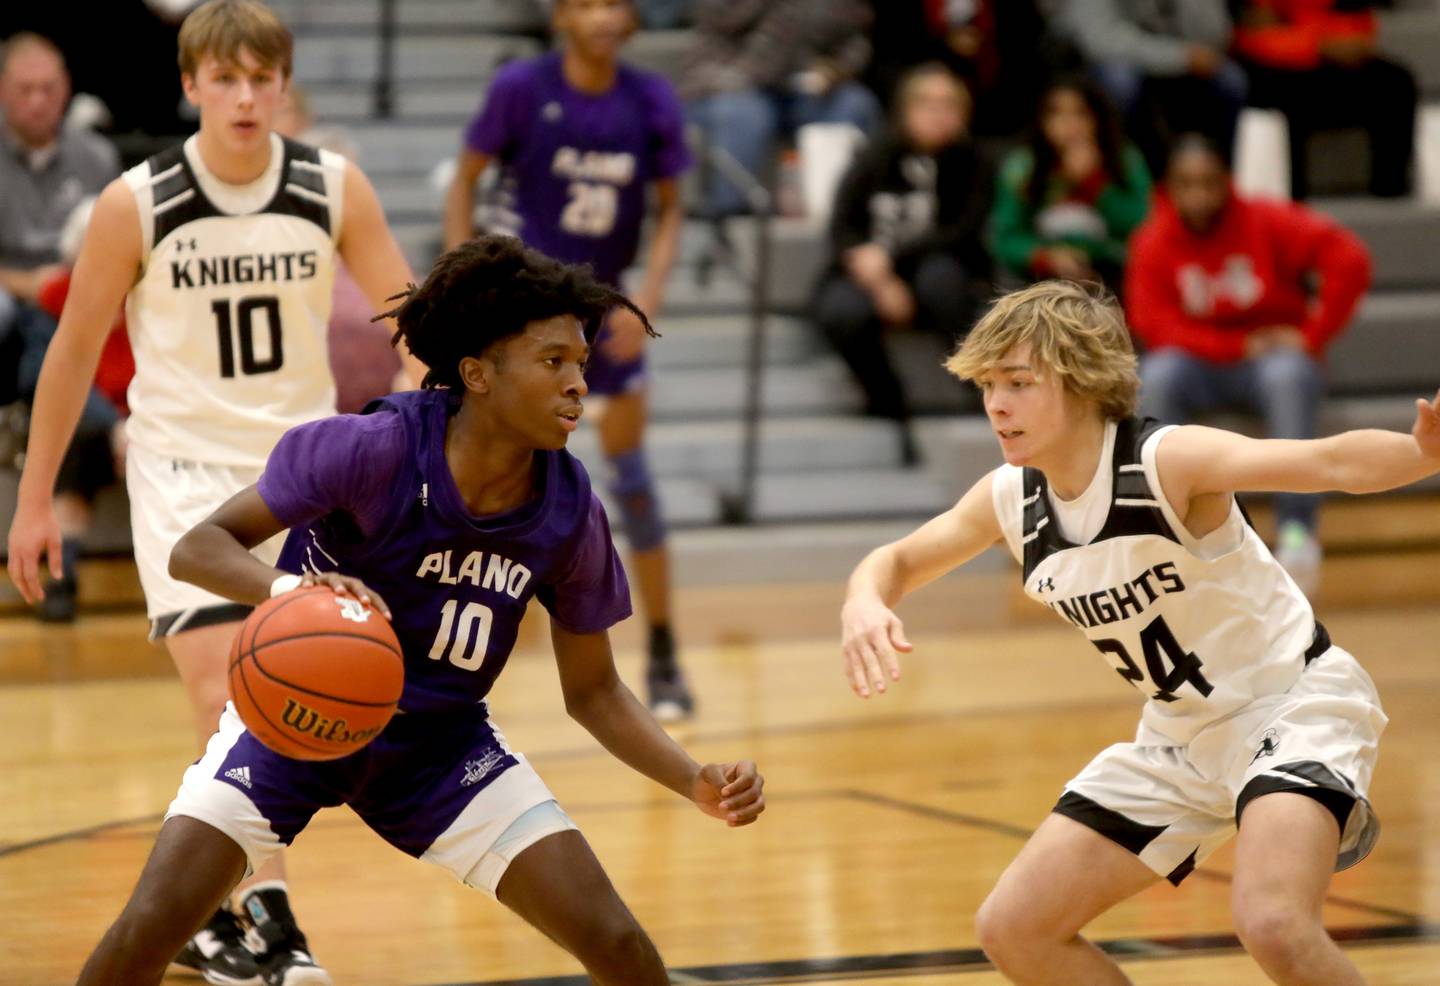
{"type": "Point", "coordinates": [1186, 867]}
{"type": "Point", "coordinates": [169, 624]}
{"type": "Point", "coordinates": [1313, 779]}
{"type": "Point", "coordinates": [1319, 645]}
{"type": "Point", "coordinates": [285, 202]}
{"type": "Point", "coordinates": [1124, 832]}
{"type": "Point", "coordinates": [1123, 519]}
{"type": "Point", "coordinates": [288, 203]}
{"type": "Point", "coordinates": [196, 207]}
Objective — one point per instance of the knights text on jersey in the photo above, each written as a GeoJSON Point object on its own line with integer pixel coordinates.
{"type": "Point", "coordinates": [1201, 626]}
{"type": "Point", "coordinates": [228, 318]}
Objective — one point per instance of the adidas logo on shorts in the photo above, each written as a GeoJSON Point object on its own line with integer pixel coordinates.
{"type": "Point", "coordinates": [239, 774]}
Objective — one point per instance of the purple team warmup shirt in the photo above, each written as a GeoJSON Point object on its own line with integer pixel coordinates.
{"type": "Point", "coordinates": [575, 165]}
{"type": "Point", "coordinates": [372, 496]}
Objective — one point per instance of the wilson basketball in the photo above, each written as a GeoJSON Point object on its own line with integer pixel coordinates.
{"type": "Point", "coordinates": [315, 675]}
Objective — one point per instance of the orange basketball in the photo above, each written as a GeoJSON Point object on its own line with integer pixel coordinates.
{"type": "Point", "coordinates": [315, 675]}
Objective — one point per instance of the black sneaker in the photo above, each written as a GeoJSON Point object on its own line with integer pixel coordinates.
{"type": "Point", "coordinates": [668, 693]}
{"type": "Point", "coordinates": [58, 606]}
{"type": "Point", "coordinates": [218, 953]}
{"type": "Point", "coordinates": [279, 945]}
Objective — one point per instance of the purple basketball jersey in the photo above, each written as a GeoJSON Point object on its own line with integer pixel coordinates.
{"type": "Point", "coordinates": [575, 165]}
{"type": "Point", "coordinates": [372, 496]}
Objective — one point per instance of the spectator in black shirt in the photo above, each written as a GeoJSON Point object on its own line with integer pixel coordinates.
{"type": "Point", "coordinates": [906, 232]}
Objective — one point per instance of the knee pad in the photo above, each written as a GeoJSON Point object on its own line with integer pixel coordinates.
{"type": "Point", "coordinates": [634, 493]}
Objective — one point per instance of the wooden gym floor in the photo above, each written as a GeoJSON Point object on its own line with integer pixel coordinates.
{"type": "Point", "coordinates": [888, 820]}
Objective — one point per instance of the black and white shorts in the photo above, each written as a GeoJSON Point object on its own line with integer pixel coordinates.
{"type": "Point", "coordinates": [1174, 805]}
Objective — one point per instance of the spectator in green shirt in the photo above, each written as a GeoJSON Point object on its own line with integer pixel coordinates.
{"type": "Point", "coordinates": [1066, 205]}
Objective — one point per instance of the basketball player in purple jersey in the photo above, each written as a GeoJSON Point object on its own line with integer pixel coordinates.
{"type": "Point", "coordinates": [458, 504]}
{"type": "Point", "coordinates": [580, 138]}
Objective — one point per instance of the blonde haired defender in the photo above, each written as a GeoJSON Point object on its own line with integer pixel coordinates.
{"type": "Point", "coordinates": [1129, 531]}
{"type": "Point", "coordinates": [1074, 330]}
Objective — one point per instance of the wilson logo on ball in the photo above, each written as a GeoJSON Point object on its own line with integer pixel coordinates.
{"type": "Point", "coordinates": [304, 719]}
{"type": "Point", "coordinates": [353, 610]}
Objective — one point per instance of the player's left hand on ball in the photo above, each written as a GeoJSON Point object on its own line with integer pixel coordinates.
{"type": "Point", "coordinates": [731, 792]}
{"type": "Point", "coordinates": [346, 586]}
{"type": "Point", "coordinates": [625, 336]}
{"type": "Point", "coordinates": [1427, 425]}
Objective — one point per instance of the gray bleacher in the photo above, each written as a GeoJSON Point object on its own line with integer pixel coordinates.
{"type": "Point", "coordinates": [818, 460]}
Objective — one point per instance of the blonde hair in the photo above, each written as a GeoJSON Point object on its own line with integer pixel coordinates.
{"type": "Point", "coordinates": [220, 28]}
{"type": "Point", "coordinates": [1075, 331]}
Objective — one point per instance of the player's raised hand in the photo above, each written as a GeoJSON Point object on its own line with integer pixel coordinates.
{"type": "Point", "coordinates": [731, 792]}
{"type": "Point", "coordinates": [872, 640]}
{"type": "Point", "coordinates": [33, 532]}
{"type": "Point", "coordinates": [1427, 425]}
{"type": "Point", "coordinates": [346, 586]}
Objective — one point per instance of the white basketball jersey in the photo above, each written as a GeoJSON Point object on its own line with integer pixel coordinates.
{"type": "Point", "coordinates": [1201, 626]}
{"type": "Point", "coordinates": [228, 318]}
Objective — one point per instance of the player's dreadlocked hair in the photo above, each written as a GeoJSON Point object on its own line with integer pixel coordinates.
{"type": "Point", "coordinates": [490, 288]}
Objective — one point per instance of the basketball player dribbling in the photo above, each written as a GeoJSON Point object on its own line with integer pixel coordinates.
{"type": "Point", "coordinates": [580, 138]}
{"type": "Point", "coordinates": [1131, 532]}
{"type": "Point", "coordinates": [223, 251]}
{"type": "Point", "coordinates": [448, 509]}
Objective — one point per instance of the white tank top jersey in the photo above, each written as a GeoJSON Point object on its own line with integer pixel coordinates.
{"type": "Point", "coordinates": [228, 318]}
{"type": "Point", "coordinates": [1201, 626]}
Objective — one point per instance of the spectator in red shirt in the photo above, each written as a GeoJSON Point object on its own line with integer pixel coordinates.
{"type": "Point", "coordinates": [1216, 290]}
{"type": "Point", "coordinates": [1315, 61]}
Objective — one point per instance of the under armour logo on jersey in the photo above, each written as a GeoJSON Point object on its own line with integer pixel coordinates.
{"type": "Point", "coordinates": [1045, 585]}
{"type": "Point", "coordinates": [551, 112]}
{"type": "Point", "coordinates": [180, 245]}
{"type": "Point", "coordinates": [1269, 743]}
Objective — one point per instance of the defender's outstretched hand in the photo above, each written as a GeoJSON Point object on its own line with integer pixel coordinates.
{"type": "Point", "coordinates": [732, 792]}
{"type": "Point", "coordinates": [1427, 425]}
{"type": "Point", "coordinates": [872, 640]}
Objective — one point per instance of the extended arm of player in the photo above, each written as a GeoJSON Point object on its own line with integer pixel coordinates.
{"type": "Point", "coordinates": [597, 699]}
{"type": "Point", "coordinates": [664, 246]}
{"type": "Point", "coordinates": [1195, 461]}
{"type": "Point", "coordinates": [872, 636]}
{"type": "Point", "coordinates": [459, 222]}
{"type": "Point", "coordinates": [374, 258]}
{"type": "Point", "coordinates": [215, 555]}
{"type": "Point", "coordinates": [106, 268]}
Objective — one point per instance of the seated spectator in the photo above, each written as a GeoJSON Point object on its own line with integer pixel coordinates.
{"type": "Point", "coordinates": [906, 235]}
{"type": "Point", "coordinates": [1217, 291]}
{"type": "Point", "coordinates": [1315, 61]}
{"type": "Point", "coordinates": [1164, 66]}
{"type": "Point", "coordinates": [1066, 205]}
{"type": "Point", "coordinates": [363, 361]}
{"type": "Point", "coordinates": [763, 68]}
{"type": "Point", "coordinates": [1001, 48]}
{"type": "Point", "coordinates": [45, 171]}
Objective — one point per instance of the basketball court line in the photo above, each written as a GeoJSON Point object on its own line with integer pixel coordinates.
{"type": "Point", "coordinates": [1004, 828]}
{"type": "Point", "coordinates": [1406, 918]}
{"type": "Point", "coordinates": [967, 960]}
{"type": "Point", "coordinates": [1410, 929]}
